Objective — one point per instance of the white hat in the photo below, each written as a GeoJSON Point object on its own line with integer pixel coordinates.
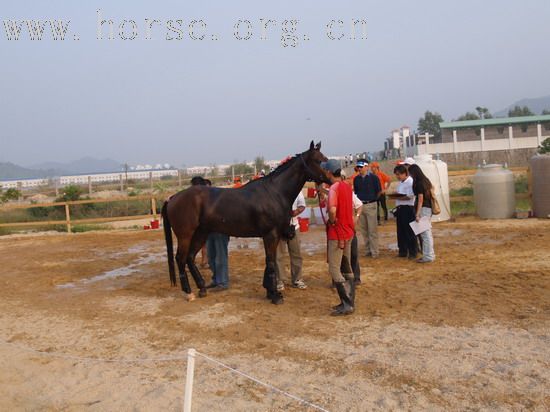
{"type": "Point", "coordinates": [409, 161]}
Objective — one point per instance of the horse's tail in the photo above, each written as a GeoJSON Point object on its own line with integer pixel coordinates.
{"type": "Point", "coordinates": [169, 243]}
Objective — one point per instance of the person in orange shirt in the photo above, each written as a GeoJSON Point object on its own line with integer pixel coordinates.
{"type": "Point", "coordinates": [237, 182]}
{"type": "Point", "coordinates": [385, 181]}
{"type": "Point", "coordinates": [350, 180]}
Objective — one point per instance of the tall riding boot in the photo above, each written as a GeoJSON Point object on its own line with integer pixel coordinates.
{"type": "Point", "coordinates": [344, 294]}
{"type": "Point", "coordinates": [350, 280]}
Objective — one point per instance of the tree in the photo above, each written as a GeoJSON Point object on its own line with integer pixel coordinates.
{"type": "Point", "coordinates": [545, 146]}
{"type": "Point", "coordinates": [240, 169]}
{"type": "Point", "coordinates": [70, 193]}
{"type": "Point", "coordinates": [468, 116]}
{"type": "Point", "coordinates": [545, 112]}
{"type": "Point", "coordinates": [519, 111]}
{"type": "Point", "coordinates": [483, 113]}
{"type": "Point", "coordinates": [260, 164]}
{"type": "Point", "coordinates": [11, 194]}
{"type": "Point", "coordinates": [430, 124]}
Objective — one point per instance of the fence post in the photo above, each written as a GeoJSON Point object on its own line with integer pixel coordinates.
{"type": "Point", "coordinates": [189, 380]}
{"type": "Point", "coordinates": [68, 217]}
{"type": "Point", "coordinates": [154, 208]}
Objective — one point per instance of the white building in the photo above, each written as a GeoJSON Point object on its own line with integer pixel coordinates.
{"type": "Point", "coordinates": [511, 140]}
{"type": "Point", "coordinates": [87, 178]}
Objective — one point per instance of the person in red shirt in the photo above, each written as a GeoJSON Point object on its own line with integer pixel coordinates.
{"type": "Point", "coordinates": [340, 232]}
{"type": "Point", "coordinates": [385, 181]}
{"type": "Point", "coordinates": [237, 182]}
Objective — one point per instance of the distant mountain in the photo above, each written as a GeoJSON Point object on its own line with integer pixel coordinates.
{"type": "Point", "coordinates": [84, 165]}
{"type": "Point", "coordinates": [537, 105]}
{"type": "Point", "coordinates": [13, 171]}
{"type": "Point", "coordinates": [51, 169]}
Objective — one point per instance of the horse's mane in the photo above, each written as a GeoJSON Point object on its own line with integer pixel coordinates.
{"type": "Point", "coordinates": [283, 166]}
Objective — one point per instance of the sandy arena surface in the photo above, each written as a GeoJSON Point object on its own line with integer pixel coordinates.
{"type": "Point", "coordinates": [469, 332]}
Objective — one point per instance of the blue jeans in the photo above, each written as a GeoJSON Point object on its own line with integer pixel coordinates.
{"type": "Point", "coordinates": [216, 248]}
{"type": "Point", "coordinates": [427, 237]}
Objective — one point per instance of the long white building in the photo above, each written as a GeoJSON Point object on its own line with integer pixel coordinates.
{"type": "Point", "coordinates": [87, 178]}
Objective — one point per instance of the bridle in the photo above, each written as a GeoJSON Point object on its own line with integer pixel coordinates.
{"type": "Point", "coordinates": [312, 174]}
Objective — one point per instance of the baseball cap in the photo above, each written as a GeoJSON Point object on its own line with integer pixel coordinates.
{"type": "Point", "coordinates": [332, 165]}
{"type": "Point", "coordinates": [362, 162]}
{"type": "Point", "coordinates": [409, 161]}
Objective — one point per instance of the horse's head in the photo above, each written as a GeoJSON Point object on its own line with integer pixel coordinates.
{"type": "Point", "coordinates": [312, 159]}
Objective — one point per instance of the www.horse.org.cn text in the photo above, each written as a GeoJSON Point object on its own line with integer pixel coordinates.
{"type": "Point", "coordinates": [288, 32]}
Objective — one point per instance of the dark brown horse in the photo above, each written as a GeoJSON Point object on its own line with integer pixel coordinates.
{"type": "Point", "coordinates": [261, 208]}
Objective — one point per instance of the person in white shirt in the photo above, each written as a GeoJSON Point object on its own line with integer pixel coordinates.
{"type": "Point", "coordinates": [294, 251]}
{"type": "Point", "coordinates": [405, 213]}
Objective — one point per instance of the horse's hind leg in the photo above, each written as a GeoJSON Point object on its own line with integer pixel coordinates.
{"type": "Point", "coordinates": [271, 241]}
{"type": "Point", "coordinates": [196, 244]}
{"type": "Point", "coordinates": [184, 280]}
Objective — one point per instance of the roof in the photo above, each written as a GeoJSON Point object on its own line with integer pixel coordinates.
{"type": "Point", "coordinates": [501, 121]}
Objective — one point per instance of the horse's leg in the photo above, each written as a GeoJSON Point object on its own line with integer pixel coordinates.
{"type": "Point", "coordinates": [196, 244]}
{"type": "Point", "coordinates": [271, 241]}
{"type": "Point", "coordinates": [181, 257]}
{"type": "Point", "coordinates": [184, 280]}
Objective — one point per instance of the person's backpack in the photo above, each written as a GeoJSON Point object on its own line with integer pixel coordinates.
{"type": "Point", "coordinates": [436, 209]}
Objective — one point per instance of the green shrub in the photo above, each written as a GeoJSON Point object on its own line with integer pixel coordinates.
{"type": "Point", "coordinates": [70, 193]}
{"type": "Point", "coordinates": [463, 191]}
{"type": "Point", "coordinates": [521, 184]}
{"type": "Point", "coordinates": [10, 194]}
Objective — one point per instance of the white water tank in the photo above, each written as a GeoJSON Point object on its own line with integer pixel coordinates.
{"type": "Point", "coordinates": [540, 173]}
{"type": "Point", "coordinates": [436, 171]}
{"type": "Point", "coordinates": [494, 192]}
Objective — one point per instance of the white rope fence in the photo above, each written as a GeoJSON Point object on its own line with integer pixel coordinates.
{"type": "Point", "coordinates": [189, 357]}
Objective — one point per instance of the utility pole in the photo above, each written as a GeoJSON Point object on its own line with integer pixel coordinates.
{"type": "Point", "coordinates": [126, 173]}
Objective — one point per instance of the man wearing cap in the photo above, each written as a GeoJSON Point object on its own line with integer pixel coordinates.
{"type": "Point", "coordinates": [293, 248]}
{"type": "Point", "coordinates": [367, 187]}
{"type": "Point", "coordinates": [340, 232]}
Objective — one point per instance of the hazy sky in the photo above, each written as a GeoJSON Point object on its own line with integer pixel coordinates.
{"type": "Point", "coordinates": [215, 101]}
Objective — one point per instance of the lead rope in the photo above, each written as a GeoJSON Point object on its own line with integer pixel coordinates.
{"type": "Point", "coordinates": [323, 217]}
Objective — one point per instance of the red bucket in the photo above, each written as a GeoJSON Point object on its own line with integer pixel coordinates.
{"type": "Point", "coordinates": [155, 224]}
{"type": "Point", "coordinates": [311, 192]}
{"type": "Point", "coordinates": [304, 224]}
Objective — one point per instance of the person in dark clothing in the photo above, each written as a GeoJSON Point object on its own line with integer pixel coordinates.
{"type": "Point", "coordinates": [367, 187]}
{"type": "Point", "coordinates": [405, 213]}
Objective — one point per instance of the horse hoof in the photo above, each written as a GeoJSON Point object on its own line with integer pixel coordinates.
{"type": "Point", "coordinates": [190, 297]}
{"type": "Point", "coordinates": [202, 293]}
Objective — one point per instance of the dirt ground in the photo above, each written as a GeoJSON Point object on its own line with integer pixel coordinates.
{"type": "Point", "coordinates": [469, 332]}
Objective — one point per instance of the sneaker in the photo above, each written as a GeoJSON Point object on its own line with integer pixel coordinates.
{"type": "Point", "coordinates": [299, 284]}
{"type": "Point", "coordinates": [424, 260]}
{"type": "Point", "coordinates": [280, 286]}
{"type": "Point", "coordinates": [221, 288]}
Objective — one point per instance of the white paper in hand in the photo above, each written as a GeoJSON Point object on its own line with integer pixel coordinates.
{"type": "Point", "coordinates": [424, 224]}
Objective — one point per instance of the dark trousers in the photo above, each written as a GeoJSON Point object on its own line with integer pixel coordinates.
{"type": "Point", "coordinates": [381, 204]}
{"type": "Point", "coordinates": [406, 239]}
